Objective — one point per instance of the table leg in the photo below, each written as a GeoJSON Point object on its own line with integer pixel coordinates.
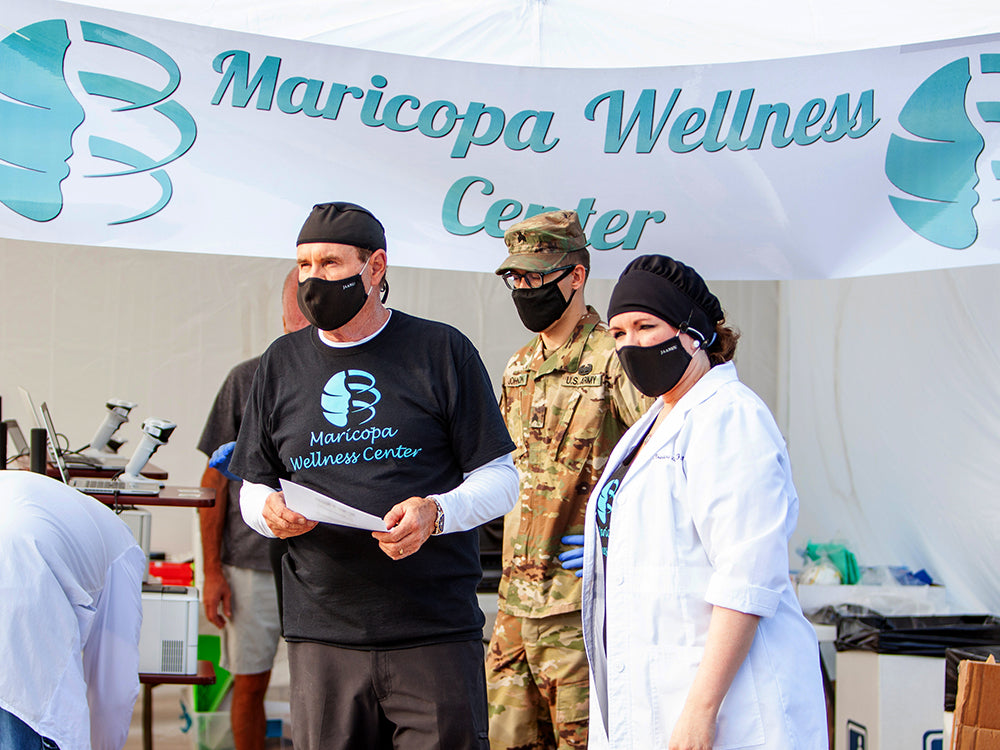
{"type": "Point", "coordinates": [147, 717]}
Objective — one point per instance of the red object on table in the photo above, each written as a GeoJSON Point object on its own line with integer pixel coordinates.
{"type": "Point", "coordinates": [171, 573]}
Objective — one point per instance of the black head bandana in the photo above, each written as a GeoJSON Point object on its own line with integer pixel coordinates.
{"type": "Point", "coordinates": [343, 224]}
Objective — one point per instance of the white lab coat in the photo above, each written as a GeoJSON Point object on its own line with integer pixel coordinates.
{"type": "Point", "coordinates": [702, 518]}
{"type": "Point", "coordinates": [70, 613]}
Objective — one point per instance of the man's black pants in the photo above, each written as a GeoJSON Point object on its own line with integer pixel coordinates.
{"type": "Point", "coordinates": [421, 698]}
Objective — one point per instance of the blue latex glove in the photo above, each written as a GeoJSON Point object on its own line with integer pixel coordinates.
{"type": "Point", "coordinates": [572, 559]}
{"type": "Point", "coordinates": [220, 460]}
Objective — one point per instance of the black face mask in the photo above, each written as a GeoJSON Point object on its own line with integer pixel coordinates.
{"type": "Point", "coordinates": [328, 305]}
{"type": "Point", "coordinates": [656, 369]}
{"type": "Point", "coordinates": [541, 307]}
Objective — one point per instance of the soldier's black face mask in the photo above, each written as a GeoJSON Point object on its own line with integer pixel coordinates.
{"type": "Point", "coordinates": [539, 308]}
{"type": "Point", "coordinates": [656, 369]}
{"type": "Point", "coordinates": [328, 305]}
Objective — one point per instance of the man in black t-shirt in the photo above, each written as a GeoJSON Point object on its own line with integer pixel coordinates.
{"type": "Point", "coordinates": [393, 415]}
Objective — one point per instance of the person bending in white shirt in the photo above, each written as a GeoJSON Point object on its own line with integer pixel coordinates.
{"type": "Point", "coordinates": [70, 616]}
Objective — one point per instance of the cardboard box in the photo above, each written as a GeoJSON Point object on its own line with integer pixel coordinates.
{"type": "Point", "coordinates": [888, 702]}
{"type": "Point", "coordinates": [977, 706]}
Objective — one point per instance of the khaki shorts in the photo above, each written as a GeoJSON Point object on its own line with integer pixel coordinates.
{"type": "Point", "coordinates": [250, 638]}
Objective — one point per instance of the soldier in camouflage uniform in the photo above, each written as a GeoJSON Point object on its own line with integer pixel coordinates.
{"type": "Point", "coordinates": [566, 402]}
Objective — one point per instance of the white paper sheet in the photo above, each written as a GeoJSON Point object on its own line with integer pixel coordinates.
{"type": "Point", "coordinates": [318, 507]}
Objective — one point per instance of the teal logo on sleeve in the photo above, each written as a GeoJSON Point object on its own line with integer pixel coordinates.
{"type": "Point", "coordinates": [934, 166]}
{"type": "Point", "coordinates": [40, 115]}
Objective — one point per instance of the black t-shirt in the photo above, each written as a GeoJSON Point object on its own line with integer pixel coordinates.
{"type": "Point", "coordinates": [404, 414]}
{"type": "Point", "coordinates": [606, 500]}
{"type": "Point", "coordinates": [241, 545]}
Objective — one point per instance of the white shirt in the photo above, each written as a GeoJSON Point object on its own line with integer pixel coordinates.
{"type": "Point", "coordinates": [702, 518]}
{"type": "Point", "coordinates": [70, 613]}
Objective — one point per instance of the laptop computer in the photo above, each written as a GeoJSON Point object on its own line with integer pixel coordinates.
{"type": "Point", "coordinates": [75, 460]}
{"type": "Point", "coordinates": [100, 486]}
{"type": "Point", "coordinates": [54, 443]}
{"type": "Point", "coordinates": [71, 459]}
{"type": "Point", "coordinates": [17, 437]}
{"type": "Point", "coordinates": [29, 405]}
{"type": "Point", "coordinates": [96, 486]}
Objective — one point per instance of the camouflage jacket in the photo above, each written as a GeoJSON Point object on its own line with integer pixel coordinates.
{"type": "Point", "coordinates": [565, 413]}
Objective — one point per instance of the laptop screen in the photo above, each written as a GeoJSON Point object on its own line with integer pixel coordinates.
{"type": "Point", "coordinates": [29, 405]}
{"type": "Point", "coordinates": [54, 443]}
{"type": "Point", "coordinates": [16, 436]}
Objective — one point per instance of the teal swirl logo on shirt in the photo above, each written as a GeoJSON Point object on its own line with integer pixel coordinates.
{"type": "Point", "coordinates": [347, 392]}
{"type": "Point", "coordinates": [605, 501]}
{"type": "Point", "coordinates": [935, 164]}
{"type": "Point", "coordinates": [40, 115]}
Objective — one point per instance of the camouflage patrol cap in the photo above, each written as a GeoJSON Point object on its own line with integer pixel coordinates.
{"type": "Point", "coordinates": [541, 242]}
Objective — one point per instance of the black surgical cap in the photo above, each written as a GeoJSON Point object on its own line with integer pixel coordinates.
{"type": "Point", "coordinates": [671, 291]}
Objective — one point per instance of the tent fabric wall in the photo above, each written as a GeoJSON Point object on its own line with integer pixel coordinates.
{"type": "Point", "coordinates": [893, 422]}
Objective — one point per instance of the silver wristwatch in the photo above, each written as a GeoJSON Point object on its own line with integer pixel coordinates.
{"type": "Point", "coordinates": [439, 521]}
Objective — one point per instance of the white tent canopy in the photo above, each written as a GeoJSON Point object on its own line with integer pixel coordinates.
{"type": "Point", "coordinates": [588, 33]}
{"type": "Point", "coordinates": [883, 386]}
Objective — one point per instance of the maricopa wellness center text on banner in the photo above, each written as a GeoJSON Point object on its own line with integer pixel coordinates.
{"type": "Point", "coordinates": [128, 131]}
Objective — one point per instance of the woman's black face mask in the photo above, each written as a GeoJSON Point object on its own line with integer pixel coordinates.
{"type": "Point", "coordinates": [656, 369]}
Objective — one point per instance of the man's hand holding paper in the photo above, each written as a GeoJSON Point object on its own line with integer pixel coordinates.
{"type": "Point", "coordinates": [410, 525]}
{"type": "Point", "coordinates": [282, 521]}
{"type": "Point", "coordinates": [405, 528]}
{"type": "Point", "coordinates": [319, 507]}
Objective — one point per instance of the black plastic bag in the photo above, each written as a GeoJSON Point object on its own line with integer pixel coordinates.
{"type": "Point", "coordinates": [916, 636]}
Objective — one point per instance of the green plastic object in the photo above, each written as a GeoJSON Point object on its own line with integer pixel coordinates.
{"type": "Point", "coordinates": [841, 557]}
{"type": "Point", "coordinates": [207, 698]}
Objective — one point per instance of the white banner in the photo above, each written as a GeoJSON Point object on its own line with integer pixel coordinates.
{"type": "Point", "coordinates": [128, 131]}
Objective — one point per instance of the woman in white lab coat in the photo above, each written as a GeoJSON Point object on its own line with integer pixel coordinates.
{"type": "Point", "coordinates": [694, 634]}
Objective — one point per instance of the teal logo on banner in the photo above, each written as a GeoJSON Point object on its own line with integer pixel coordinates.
{"type": "Point", "coordinates": [40, 114]}
{"type": "Point", "coordinates": [937, 167]}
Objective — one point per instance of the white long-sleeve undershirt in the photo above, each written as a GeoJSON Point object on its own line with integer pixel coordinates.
{"type": "Point", "coordinates": [485, 493]}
